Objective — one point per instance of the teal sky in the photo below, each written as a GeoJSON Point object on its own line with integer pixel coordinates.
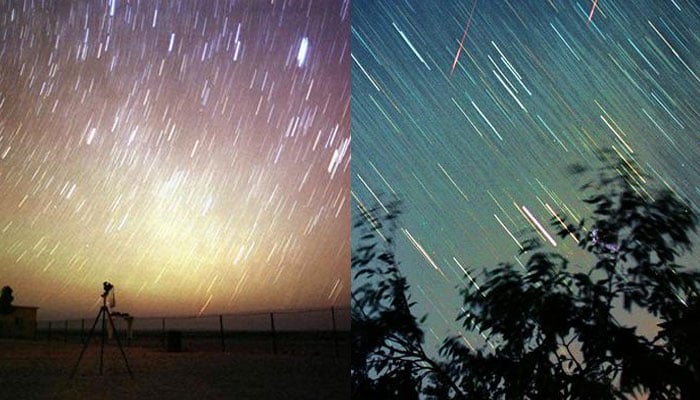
{"type": "Point", "coordinates": [469, 112]}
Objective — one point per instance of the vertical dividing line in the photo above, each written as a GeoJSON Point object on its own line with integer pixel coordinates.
{"type": "Point", "coordinates": [221, 328]}
{"type": "Point", "coordinates": [163, 332]}
{"type": "Point", "coordinates": [274, 336]}
{"type": "Point", "coordinates": [104, 334]}
{"type": "Point", "coordinates": [335, 332]}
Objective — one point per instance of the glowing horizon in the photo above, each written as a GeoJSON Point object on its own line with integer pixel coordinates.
{"type": "Point", "coordinates": [178, 152]}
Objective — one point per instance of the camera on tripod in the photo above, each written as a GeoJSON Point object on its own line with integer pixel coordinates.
{"type": "Point", "coordinates": [107, 288]}
{"type": "Point", "coordinates": [106, 317]}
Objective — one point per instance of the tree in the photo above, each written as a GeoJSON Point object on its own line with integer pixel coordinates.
{"type": "Point", "coordinates": [388, 360]}
{"type": "Point", "coordinates": [6, 300]}
{"type": "Point", "coordinates": [553, 330]}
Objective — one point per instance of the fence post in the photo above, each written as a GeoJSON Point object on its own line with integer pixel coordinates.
{"type": "Point", "coordinates": [335, 332]}
{"type": "Point", "coordinates": [65, 331]}
{"type": "Point", "coordinates": [274, 337]}
{"type": "Point", "coordinates": [221, 328]}
{"type": "Point", "coordinates": [49, 335]}
{"type": "Point", "coordinates": [163, 335]}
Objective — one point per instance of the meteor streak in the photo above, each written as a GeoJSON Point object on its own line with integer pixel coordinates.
{"type": "Point", "coordinates": [590, 15]}
{"type": "Point", "coordinates": [464, 36]}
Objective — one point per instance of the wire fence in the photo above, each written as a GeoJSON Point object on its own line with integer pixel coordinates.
{"type": "Point", "coordinates": [315, 331]}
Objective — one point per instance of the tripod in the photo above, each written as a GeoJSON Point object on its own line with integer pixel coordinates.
{"type": "Point", "coordinates": [104, 313]}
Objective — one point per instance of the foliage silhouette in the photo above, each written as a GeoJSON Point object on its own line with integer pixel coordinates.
{"type": "Point", "coordinates": [6, 300]}
{"type": "Point", "coordinates": [552, 330]}
{"type": "Point", "coordinates": [388, 359]}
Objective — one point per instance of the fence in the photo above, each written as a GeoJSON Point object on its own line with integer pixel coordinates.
{"type": "Point", "coordinates": [314, 331]}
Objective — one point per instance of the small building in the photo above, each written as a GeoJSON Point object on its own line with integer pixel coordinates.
{"type": "Point", "coordinates": [20, 323]}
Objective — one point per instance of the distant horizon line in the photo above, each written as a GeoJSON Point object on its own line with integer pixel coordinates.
{"type": "Point", "coordinates": [246, 313]}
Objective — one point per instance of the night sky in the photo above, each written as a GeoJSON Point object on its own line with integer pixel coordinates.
{"type": "Point", "coordinates": [469, 112]}
{"type": "Point", "coordinates": [195, 154]}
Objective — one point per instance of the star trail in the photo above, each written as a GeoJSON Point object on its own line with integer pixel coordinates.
{"type": "Point", "coordinates": [470, 112]}
{"type": "Point", "coordinates": [195, 154]}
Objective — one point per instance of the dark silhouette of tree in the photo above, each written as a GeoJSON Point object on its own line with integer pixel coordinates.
{"type": "Point", "coordinates": [552, 329]}
{"type": "Point", "coordinates": [6, 300]}
{"type": "Point", "coordinates": [388, 359]}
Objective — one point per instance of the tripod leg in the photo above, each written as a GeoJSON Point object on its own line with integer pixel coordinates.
{"type": "Point", "coordinates": [87, 342]}
{"type": "Point", "coordinates": [102, 345]}
{"type": "Point", "coordinates": [119, 343]}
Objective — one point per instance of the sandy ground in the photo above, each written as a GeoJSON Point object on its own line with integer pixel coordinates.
{"type": "Point", "coordinates": [39, 370]}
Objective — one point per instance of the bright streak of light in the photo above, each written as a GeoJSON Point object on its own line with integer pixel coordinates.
{"type": "Point", "coordinates": [453, 182]}
{"type": "Point", "coordinates": [520, 263]}
{"type": "Point", "coordinates": [510, 66]}
{"type": "Point", "coordinates": [461, 335]}
{"type": "Point", "coordinates": [508, 231]}
{"type": "Point", "coordinates": [204, 307]}
{"type": "Point", "coordinates": [487, 340]}
{"type": "Point", "coordinates": [560, 222]}
{"type": "Point", "coordinates": [565, 42]}
{"type": "Point", "coordinates": [487, 121]}
{"type": "Point", "coordinates": [507, 87]}
{"type": "Point", "coordinates": [336, 286]}
{"type": "Point", "coordinates": [303, 50]}
{"type": "Point", "coordinates": [435, 335]}
{"type": "Point", "coordinates": [171, 43]}
{"type": "Point", "coordinates": [675, 53]}
{"type": "Point", "coordinates": [590, 15]}
{"type": "Point", "coordinates": [468, 119]}
{"type": "Point", "coordinates": [463, 270]}
{"type": "Point", "coordinates": [368, 215]}
{"type": "Point", "coordinates": [539, 226]}
{"type": "Point", "coordinates": [382, 178]}
{"type": "Point", "coordinates": [420, 248]}
{"type": "Point", "coordinates": [373, 194]}
{"type": "Point", "coordinates": [464, 36]}
{"type": "Point", "coordinates": [639, 181]}
{"type": "Point", "coordinates": [617, 135]}
{"type": "Point", "coordinates": [408, 42]}
{"type": "Point", "coordinates": [364, 71]}
{"type": "Point", "coordinates": [468, 276]}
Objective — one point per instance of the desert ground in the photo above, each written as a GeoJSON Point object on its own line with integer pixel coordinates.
{"type": "Point", "coordinates": [41, 370]}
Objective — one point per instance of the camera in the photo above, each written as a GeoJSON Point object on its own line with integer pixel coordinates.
{"type": "Point", "coordinates": [107, 287]}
